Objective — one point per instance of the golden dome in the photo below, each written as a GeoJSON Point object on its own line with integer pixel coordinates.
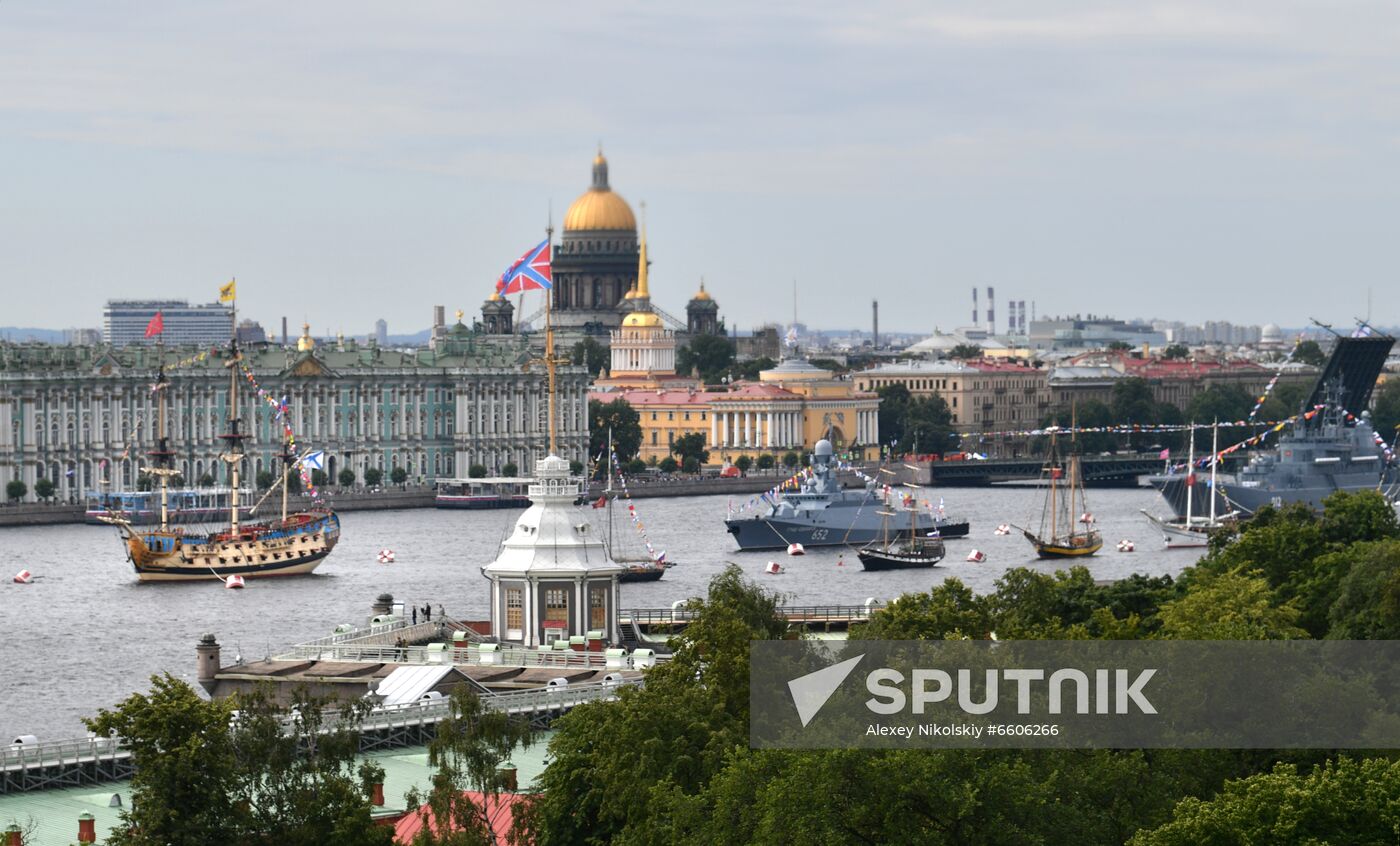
{"type": "Point", "coordinates": [599, 207]}
{"type": "Point", "coordinates": [306, 343]}
{"type": "Point", "coordinates": [702, 294]}
{"type": "Point", "coordinates": [642, 319]}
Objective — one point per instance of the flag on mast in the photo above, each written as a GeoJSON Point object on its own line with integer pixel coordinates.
{"type": "Point", "coordinates": [156, 326]}
{"type": "Point", "coordinates": [227, 293]}
{"type": "Point", "coordinates": [531, 272]}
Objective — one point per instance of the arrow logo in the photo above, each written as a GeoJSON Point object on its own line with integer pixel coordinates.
{"type": "Point", "coordinates": [810, 692]}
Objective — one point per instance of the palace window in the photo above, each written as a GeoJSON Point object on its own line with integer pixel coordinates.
{"type": "Point", "coordinates": [556, 606]}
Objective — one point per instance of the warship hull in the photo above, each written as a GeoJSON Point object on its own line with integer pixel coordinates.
{"type": "Point", "coordinates": [825, 529]}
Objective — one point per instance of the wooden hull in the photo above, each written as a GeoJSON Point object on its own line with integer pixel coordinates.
{"type": "Point", "coordinates": [875, 560]}
{"type": "Point", "coordinates": [259, 551]}
{"type": "Point", "coordinates": [641, 574]}
{"type": "Point", "coordinates": [1078, 548]}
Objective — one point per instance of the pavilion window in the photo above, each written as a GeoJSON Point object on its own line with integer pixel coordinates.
{"type": "Point", "coordinates": [515, 608]}
{"type": "Point", "coordinates": [597, 607]}
{"type": "Point", "coordinates": [556, 606]}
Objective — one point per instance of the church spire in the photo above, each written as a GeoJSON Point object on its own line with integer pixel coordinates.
{"type": "Point", "coordinates": [643, 291]}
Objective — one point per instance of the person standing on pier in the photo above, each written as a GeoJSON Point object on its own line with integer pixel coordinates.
{"type": "Point", "coordinates": [427, 612]}
{"type": "Point", "coordinates": [415, 615]}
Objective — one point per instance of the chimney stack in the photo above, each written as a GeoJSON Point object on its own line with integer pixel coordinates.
{"type": "Point", "coordinates": [284, 330]}
{"type": "Point", "coordinates": [874, 324]}
{"type": "Point", "coordinates": [991, 311]}
{"type": "Point", "coordinates": [87, 828]}
{"type": "Point", "coordinates": [974, 305]}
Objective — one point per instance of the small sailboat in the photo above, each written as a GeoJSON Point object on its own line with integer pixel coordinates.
{"type": "Point", "coordinates": [294, 544]}
{"type": "Point", "coordinates": [1194, 530]}
{"type": "Point", "coordinates": [1060, 535]}
{"type": "Point", "coordinates": [895, 550]}
{"type": "Point", "coordinates": [637, 567]}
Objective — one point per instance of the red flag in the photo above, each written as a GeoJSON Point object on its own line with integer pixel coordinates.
{"type": "Point", "coordinates": [156, 326]}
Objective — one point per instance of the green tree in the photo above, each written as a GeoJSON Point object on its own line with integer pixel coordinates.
{"type": "Point", "coordinates": [894, 406]}
{"type": "Point", "coordinates": [177, 481]}
{"type": "Point", "coordinates": [625, 423]}
{"type": "Point", "coordinates": [476, 471]}
{"type": "Point", "coordinates": [1309, 352]}
{"type": "Point", "coordinates": [373, 476]}
{"type": "Point", "coordinates": [509, 469]}
{"type": "Point", "coordinates": [922, 424]}
{"type": "Point", "coordinates": [398, 475]}
{"type": "Point", "coordinates": [690, 464]}
{"type": "Point", "coordinates": [751, 368]}
{"type": "Point", "coordinates": [1367, 606]}
{"type": "Point", "coordinates": [669, 465]}
{"type": "Point", "coordinates": [143, 481]}
{"type": "Point", "coordinates": [575, 467]}
{"type": "Point", "coordinates": [691, 446]}
{"type": "Point", "coordinates": [1118, 346]}
{"type": "Point", "coordinates": [712, 355]}
{"type": "Point", "coordinates": [1219, 402]}
{"type": "Point", "coordinates": [1343, 801]}
{"type": "Point", "coordinates": [947, 612]}
{"type": "Point", "coordinates": [15, 489]}
{"type": "Point", "coordinates": [269, 776]}
{"type": "Point", "coordinates": [43, 487]}
{"type": "Point", "coordinates": [1386, 417]}
{"type": "Point", "coordinates": [766, 461]}
{"type": "Point", "coordinates": [1133, 403]}
{"type": "Point", "coordinates": [744, 463]}
{"type": "Point", "coordinates": [1176, 351]}
{"type": "Point", "coordinates": [467, 751]}
{"type": "Point", "coordinates": [611, 764]}
{"type": "Point", "coordinates": [634, 467]}
{"type": "Point", "coordinates": [791, 459]}
{"type": "Point", "coordinates": [207, 480]}
{"type": "Point", "coordinates": [318, 478]}
{"type": "Point", "coordinates": [1229, 606]}
{"type": "Point", "coordinates": [346, 477]}
{"type": "Point", "coordinates": [265, 480]}
{"type": "Point", "coordinates": [591, 354]}
{"type": "Point", "coordinates": [965, 351]}
{"type": "Point", "coordinates": [1089, 414]}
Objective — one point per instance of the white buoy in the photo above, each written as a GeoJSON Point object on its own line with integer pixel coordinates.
{"type": "Point", "coordinates": [23, 577]}
{"type": "Point", "coordinates": [1086, 517]}
{"type": "Point", "coordinates": [773, 568]}
{"type": "Point", "coordinates": [1003, 529]}
{"type": "Point", "coordinates": [386, 556]}
{"type": "Point", "coordinates": [1126, 545]}
{"type": "Point", "coordinates": [976, 556]}
{"type": "Point", "coordinates": [796, 549]}
{"type": "Point", "coordinates": [234, 582]}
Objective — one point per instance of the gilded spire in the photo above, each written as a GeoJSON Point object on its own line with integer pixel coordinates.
{"type": "Point", "coordinates": [600, 171]}
{"type": "Point", "coordinates": [642, 290]}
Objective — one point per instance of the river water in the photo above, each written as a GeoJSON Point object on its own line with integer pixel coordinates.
{"type": "Point", "coordinates": [85, 633]}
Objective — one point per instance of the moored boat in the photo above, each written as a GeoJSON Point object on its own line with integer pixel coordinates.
{"type": "Point", "coordinates": [1060, 534]}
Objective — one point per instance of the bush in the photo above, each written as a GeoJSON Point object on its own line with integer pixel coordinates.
{"type": "Point", "coordinates": [43, 488]}
{"type": "Point", "coordinates": [16, 489]}
{"type": "Point", "coordinates": [346, 477]}
{"type": "Point", "coordinates": [143, 482]}
{"type": "Point", "coordinates": [265, 480]}
{"type": "Point", "coordinates": [766, 462]}
{"type": "Point", "coordinates": [207, 480]}
{"type": "Point", "coordinates": [791, 459]}
{"type": "Point", "coordinates": [668, 465]}
{"type": "Point", "coordinates": [634, 467]}
{"type": "Point", "coordinates": [398, 475]}
{"type": "Point", "coordinates": [575, 468]}
{"type": "Point", "coordinates": [373, 476]}
{"type": "Point", "coordinates": [318, 478]}
{"type": "Point", "coordinates": [477, 471]}
{"type": "Point", "coordinates": [510, 469]}
{"type": "Point", "coordinates": [743, 462]}
{"type": "Point", "coordinates": [691, 464]}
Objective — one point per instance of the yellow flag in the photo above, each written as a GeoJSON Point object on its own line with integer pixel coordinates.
{"type": "Point", "coordinates": [228, 292]}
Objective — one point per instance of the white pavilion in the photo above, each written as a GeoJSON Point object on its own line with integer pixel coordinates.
{"type": "Point", "coordinates": [553, 578]}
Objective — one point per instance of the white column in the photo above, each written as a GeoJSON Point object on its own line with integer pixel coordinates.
{"type": "Point", "coordinates": [748, 438]}
{"type": "Point", "coordinates": [768, 430]}
{"type": "Point", "coordinates": [723, 428]}
{"type": "Point", "coordinates": [714, 429]}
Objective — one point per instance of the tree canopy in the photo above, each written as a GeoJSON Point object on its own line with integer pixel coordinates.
{"type": "Point", "coordinates": [915, 424]}
{"type": "Point", "coordinates": [590, 354]}
{"type": "Point", "coordinates": [712, 355]}
{"type": "Point", "coordinates": [1310, 352]}
{"type": "Point", "coordinates": [625, 423]}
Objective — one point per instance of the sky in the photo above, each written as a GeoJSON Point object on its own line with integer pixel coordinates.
{"type": "Point", "coordinates": [349, 161]}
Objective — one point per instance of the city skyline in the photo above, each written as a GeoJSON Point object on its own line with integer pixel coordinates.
{"type": "Point", "coordinates": [1236, 159]}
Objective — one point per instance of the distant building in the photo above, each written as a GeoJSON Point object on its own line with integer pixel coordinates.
{"type": "Point", "coordinates": [124, 322]}
{"type": "Point", "coordinates": [1174, 381]}
{"type": "Point", "coordinates": [763, 342]}
{"type": "Point", "coordinates": [381, 332]}
{"type": "Point", "coordinates": [82, 337]}
{"type": "Point", "coordinates": [251, 332]}
{"type": "Point", "coordinates": [1085, 333]}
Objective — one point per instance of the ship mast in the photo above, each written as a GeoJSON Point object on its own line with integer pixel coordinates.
{"type": "Point", "coordinates": [233, 437]}
{"type": "Point", "coordinates": [162, 456]}
{"type": "Point", "coordinates": [1214, 460]}
{"type": "Point", "coordinates": [550, 363]}
{"type": "Point", "coordinates": [1191, 469]}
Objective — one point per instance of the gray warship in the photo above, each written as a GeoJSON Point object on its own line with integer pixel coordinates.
{"type": "Point", "coordinates": [1334, 451]}
{"type": "Point", "coordinates": [821, 513]}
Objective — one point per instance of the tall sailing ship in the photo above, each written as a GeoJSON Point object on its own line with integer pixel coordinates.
{"type": "Point", "coordinates": [1061, 535]}
{"type": "Point", "coordinates": [1194, 530]}
{"type": "Point", "coordinates": [293, 544]}
{"type": "Point", "coordinates": [639, 565]}
{"type": "Point", "coordinates": [896, 551]}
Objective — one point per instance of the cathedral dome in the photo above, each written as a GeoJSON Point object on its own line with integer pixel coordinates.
{"type": "Point", "coordinates": [641, 319]}
{"type": "Point", "coordinates": [599, 208]}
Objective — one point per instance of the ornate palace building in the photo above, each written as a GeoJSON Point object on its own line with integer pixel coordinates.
{"type": "Point", "coordinates": [83, 417]}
